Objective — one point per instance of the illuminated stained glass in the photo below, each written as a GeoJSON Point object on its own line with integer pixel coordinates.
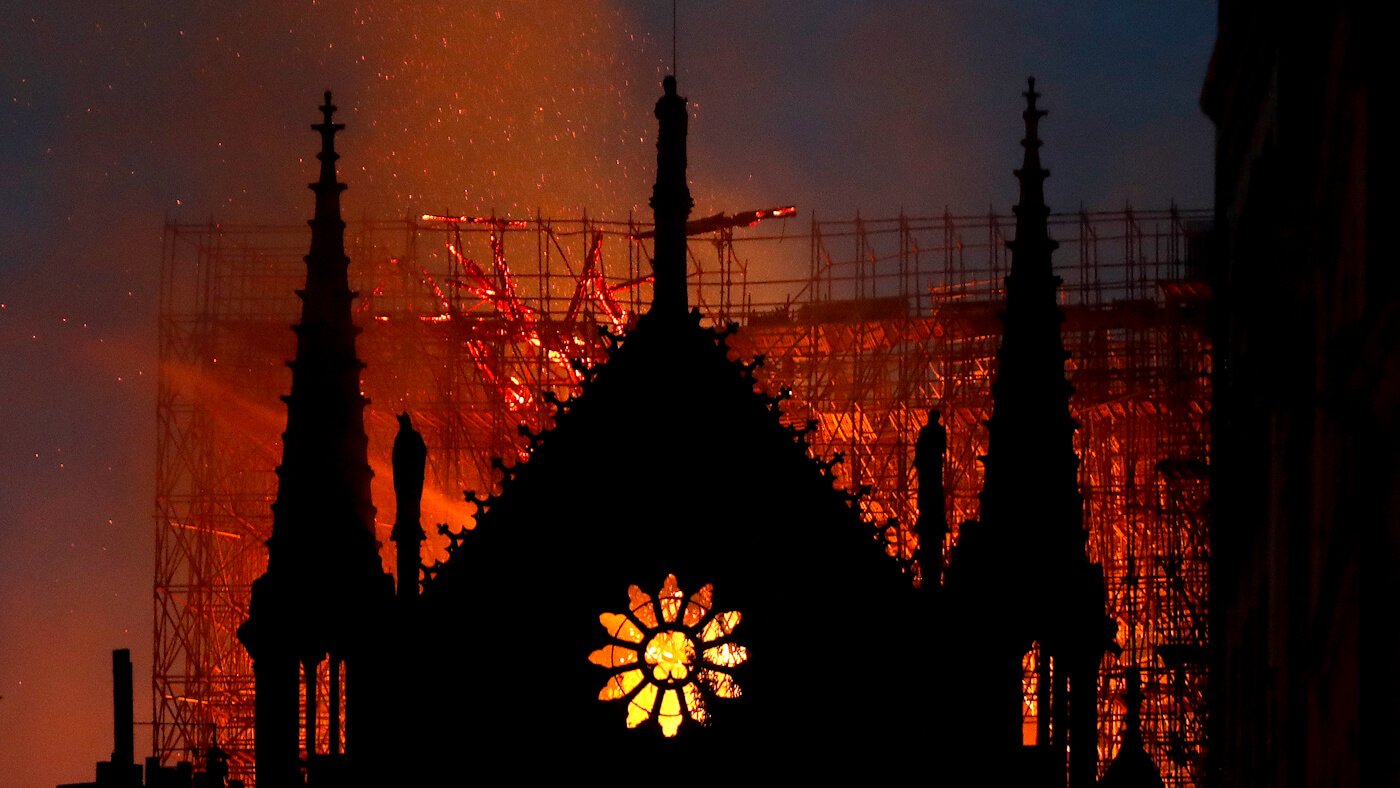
{"type": "Point", "coordinates": [721, 683]}
{"type": "Point", "coordinates": [613, 656]}
{"type": "Point", "coordinates": [670, 714]}
{"type": "Point", "coordinates": [673, 669]}
{"type": "Point", "coordinates": [720, 626]}
{"type": "Point", "coordinates": [695, 703]}
{"type": "Point", "coordinates": [727, 655]}
{"type": "Point", "coordinates": [671, 597]}
{"type": "Point", "coordinates": [641, 607]}
{"type": "Point", "coordinates": [639, 709]}
{"type": "Point", "coordinates": [671, 652]}
{"type": "Point", "coordinates": [620, 685]}
{"type": "Point", "coordinates": [620, 627]}
{"type": "Point", "coordinates": [699, 604]}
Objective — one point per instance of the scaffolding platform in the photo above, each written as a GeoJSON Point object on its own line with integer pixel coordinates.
{"type": "Point", "coordinates": [870, 323]}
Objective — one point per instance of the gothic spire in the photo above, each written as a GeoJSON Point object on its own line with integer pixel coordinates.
{"type": "Point", "coordinates": [328, 189]}
{"type": "Point", "coordinates": [1031, 211]}
{"type": "Point", "coordinates": [1031, 460]}
{"type": "Point", "coordinates": [1020, 575]}
{"type": "Point", "coordinates": [670, 202]}
{"type": "Point", "coordinates": [323, 519]}
{"type": "Point", "coordinates": [324, 581]}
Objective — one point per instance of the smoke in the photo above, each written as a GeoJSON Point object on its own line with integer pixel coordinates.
{"type": "Point", "coordinates": [118, 117]}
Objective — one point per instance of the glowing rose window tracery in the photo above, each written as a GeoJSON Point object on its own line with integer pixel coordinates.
{"type": "Point", "coordinates": [674, 650]}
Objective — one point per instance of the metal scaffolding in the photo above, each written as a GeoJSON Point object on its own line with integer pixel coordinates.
{"type": "Point", "coordinates": [871, 323]}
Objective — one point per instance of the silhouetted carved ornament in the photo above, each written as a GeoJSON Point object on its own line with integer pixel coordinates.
{"type": "Point", "coordinates": [669, 656]}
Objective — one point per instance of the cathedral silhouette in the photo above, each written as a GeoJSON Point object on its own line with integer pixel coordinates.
{"type": "Point", "coordinates": [683, 612]}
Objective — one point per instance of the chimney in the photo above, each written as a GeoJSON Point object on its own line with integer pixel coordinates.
{"type": "Point", "coordinates": [123, 723]}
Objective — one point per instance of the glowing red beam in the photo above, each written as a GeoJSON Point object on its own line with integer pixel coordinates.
{"type": "Point", "coordinates": [491, 220]}
{"type": "Point", "coordinates": [592, 286]}
{"type": "Point", "coordinates": [473, 270]}
{"type": "Point", "coordinates": [723, 221]}
{"type": "Point", "coordinates": [631, 283]}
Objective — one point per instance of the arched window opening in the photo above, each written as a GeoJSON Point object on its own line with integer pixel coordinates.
{"type": "Point", "coordinates": [1031, 696]}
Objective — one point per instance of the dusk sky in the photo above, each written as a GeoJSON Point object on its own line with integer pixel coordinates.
{"type": "Point", "coordinates": [116, 117]}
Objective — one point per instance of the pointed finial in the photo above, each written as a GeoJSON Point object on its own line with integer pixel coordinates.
{"type": "Point", "coordinates": [328, 127]}
{"type": "Point", "coordinates": [1031, 174]}
{"type": "Point", "coordinates": [327, 188]}
{"type": "Point", "coordinates": [1033, 113]}
{"type": "Point", "coordinates": [328, 109]}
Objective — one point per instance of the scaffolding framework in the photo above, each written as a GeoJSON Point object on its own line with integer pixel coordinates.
{"type": "Point", "coordinates": [869, 323]}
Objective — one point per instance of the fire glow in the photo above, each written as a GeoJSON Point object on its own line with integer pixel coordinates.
{"type": "Point", "coordinates": [472, 360]}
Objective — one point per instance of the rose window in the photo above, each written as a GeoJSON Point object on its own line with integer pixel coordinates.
{"type": "Point", "coordinates": [669, 656]}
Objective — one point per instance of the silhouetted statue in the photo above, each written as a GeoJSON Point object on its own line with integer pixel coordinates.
{"type": "Point", "coordinates": [932, 525]}
{"type": "Point", "coordinates": [670, 202]}
{"type": "Point", "coordinates": [410, 456]}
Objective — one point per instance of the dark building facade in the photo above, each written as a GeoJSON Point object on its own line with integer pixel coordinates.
{"type": "Point", "coordinates": [1305, 471]}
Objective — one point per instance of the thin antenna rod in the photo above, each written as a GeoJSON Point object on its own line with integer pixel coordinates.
{"type": "Point", "coordinates": [673, 38]}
